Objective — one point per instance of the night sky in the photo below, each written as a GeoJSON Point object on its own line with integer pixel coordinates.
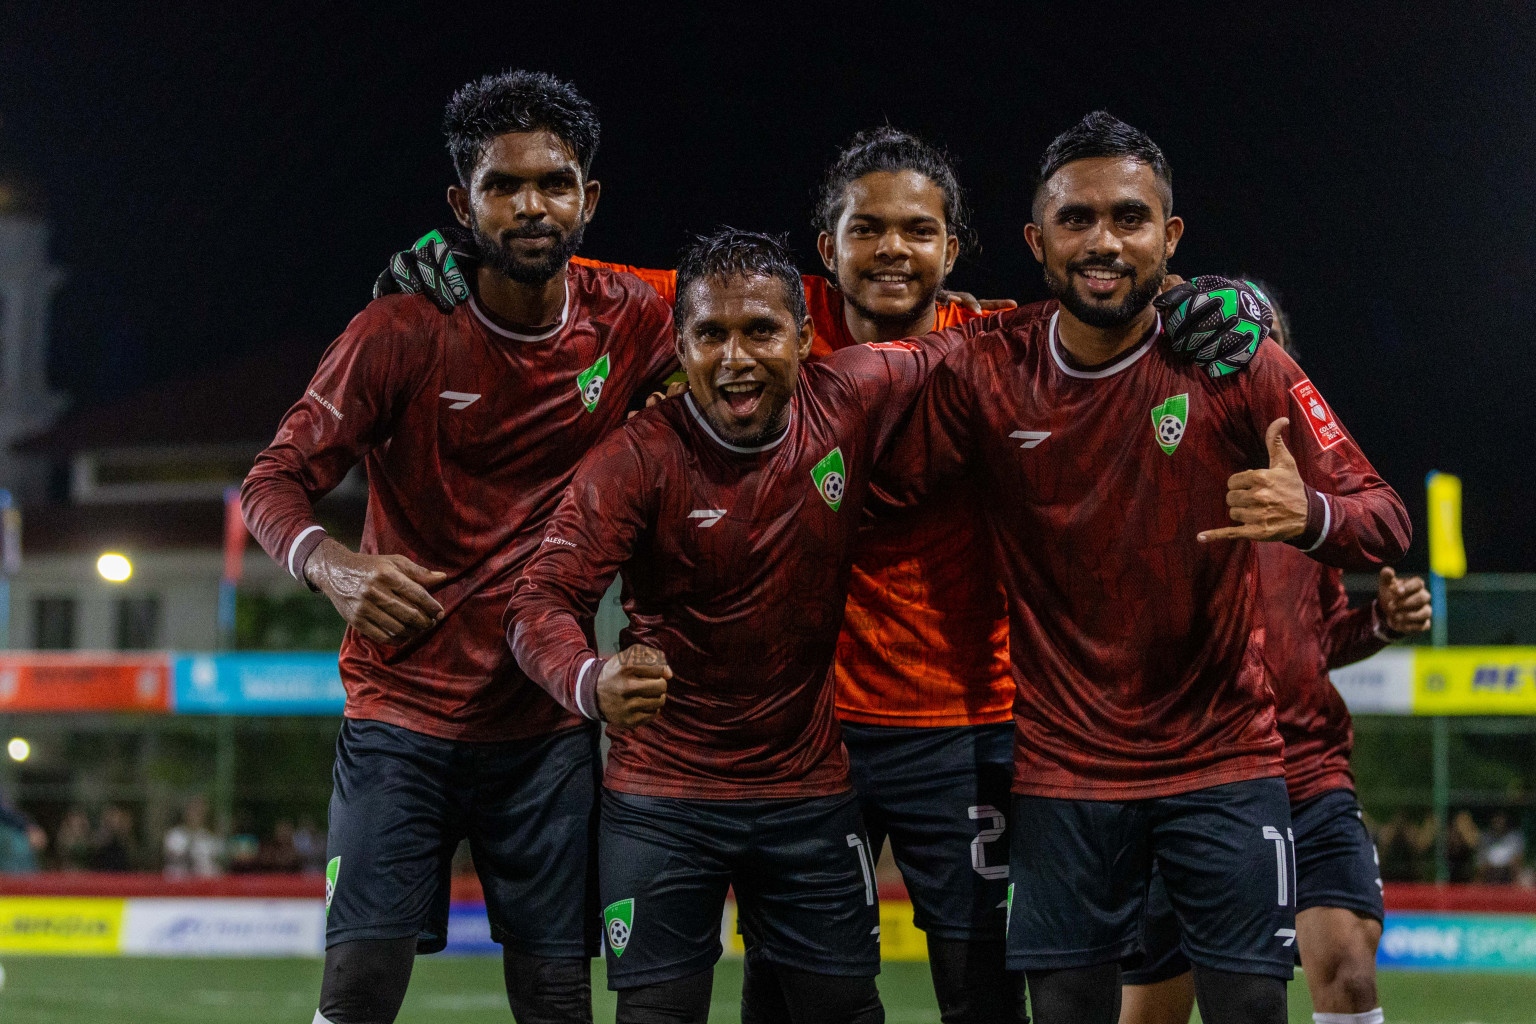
{"type": "Point", "coordinates": [222, 179]}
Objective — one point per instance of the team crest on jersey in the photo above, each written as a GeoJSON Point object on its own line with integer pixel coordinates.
{"type": "Point", "coordinates": [332, 869]}
{"type": "Point", "coordinates": [1169, 420]}
{"type": "Point", "coordinates": [589, 383]}
{"type": "Point", "coordinates": [829, 477]}
{"type": "Point", "coordinates": [618, 921]}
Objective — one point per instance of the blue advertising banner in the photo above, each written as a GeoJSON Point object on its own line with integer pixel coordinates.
{"type": "Point", "coordinates": [469, 930]}
{"type": "Point", "coordinates": [1458, 942]}
{"type": "Point", "coordinates": [256, 683]}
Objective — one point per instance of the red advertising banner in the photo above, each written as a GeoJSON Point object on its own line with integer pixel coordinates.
{"type": "Point", "coordinates": [37, 681]}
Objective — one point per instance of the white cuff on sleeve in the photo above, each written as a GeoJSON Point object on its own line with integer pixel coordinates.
{"type": "Point", "coordinates": [294, 547]}
{"type": "Point", "coordinates": [1327, 524]}
{"type": "Point", "coordinates": [586, 696]}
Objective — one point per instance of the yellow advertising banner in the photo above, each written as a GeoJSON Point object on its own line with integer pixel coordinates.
{"type": "Point", "coordinates": [1474, 681]}
{"type": "Point", "coordinates": [50, 924]}
{"type": "Point", "coordinates": [900, 939]}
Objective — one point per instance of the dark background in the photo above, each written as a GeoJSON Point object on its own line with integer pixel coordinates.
{"type": "Point", "coordinates": [220, 180]}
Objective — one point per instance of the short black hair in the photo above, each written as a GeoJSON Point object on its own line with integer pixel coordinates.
{"type": "Point", "coordinates": [517, 101]}
{"type": "Point", "coordinates": [891, 149]}
{"type": "Point", "coordinates": [730, 252]}
{"type": "Point", "coordinates": [1103, 134]}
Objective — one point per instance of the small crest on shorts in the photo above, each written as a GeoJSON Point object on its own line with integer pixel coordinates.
{"type": "Point", "coordinates": [1169, 420]}
{"type": "Point", "coordinates": [829, 477]}
{"type": "Point", "coordinates": [332, 869]}
{"type": "Point", "coordinates": [618, 920]}
{"type": "Point", "coordinates": [589, 382]}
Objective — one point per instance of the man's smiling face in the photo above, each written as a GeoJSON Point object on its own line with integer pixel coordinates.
{"type": "Point", "coordinates": [1104, 238]}
{"type": "Point", "coordinates": [741, 349]}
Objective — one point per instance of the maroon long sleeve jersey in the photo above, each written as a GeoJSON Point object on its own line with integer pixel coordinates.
{"type": "Point", "coordinates": [469, 434]}
{"type": "Point", "coordinates": [1137, 650]}
{"type": "Point", "coordinates": [736, 564]}
{"type": "Point", "coordinates": [1309, 629]}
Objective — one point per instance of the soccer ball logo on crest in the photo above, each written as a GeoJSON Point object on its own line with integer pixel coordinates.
{"type": "Point", "coordinates": [832, 487]}
{"type": "Point", "coordinates": [1170, 431]}
{"type": "Point", "coordinates": [593, 392]}
{"type": "Point", "coordinates": [619, 921]}
{"type": "Point", "coordinates": [618, 934]}
{"type": "Point", "coordinates": [829, 476]}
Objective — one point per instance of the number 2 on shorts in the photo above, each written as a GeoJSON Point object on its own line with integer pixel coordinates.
{"type": "Point", "coordinates": [987, 835]}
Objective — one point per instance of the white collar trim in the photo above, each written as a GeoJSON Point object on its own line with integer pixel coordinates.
{"type": "Point", "coordinates": [1111, 369]}
{"type": "Point", "coordinates": [565, 312]}
{"type": "Point", "coordinates": [703, 422]}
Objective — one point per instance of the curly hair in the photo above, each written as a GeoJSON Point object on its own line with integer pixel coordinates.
{"type": "Point", "coordinates": [517, 101]}
{"type": "Point", "coordinates": [891, 149]}
{"type": "Point", "coordinates": [730, 252]}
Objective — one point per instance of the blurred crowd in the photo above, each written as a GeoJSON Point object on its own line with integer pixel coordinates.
{"type": "Point", "coordinates": [109, 840]}
{"type": "Point", "coordinates": [1491, 854]}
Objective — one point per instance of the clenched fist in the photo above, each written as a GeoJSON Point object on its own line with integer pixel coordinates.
{"type": "Point", "coordinates": [1402, 605]}
{"type": "Point", "coordinates": [632, 686]}
{"type": "Point", "coordinates": [383, 597]}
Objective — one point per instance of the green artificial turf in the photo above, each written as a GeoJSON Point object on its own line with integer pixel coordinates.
{"type": "Point", "coordinates": [467, 990]}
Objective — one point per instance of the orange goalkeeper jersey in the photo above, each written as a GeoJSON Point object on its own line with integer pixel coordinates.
{"type": "Point", "coordinates": [925, 630]}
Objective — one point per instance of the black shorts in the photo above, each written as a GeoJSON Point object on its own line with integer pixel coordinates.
{"type": "Point", "coordinates": [402, 802]}
{"type": "Point", "coordinates": [1081, 871]}
{"type": "Point", "coordinates": [804, 881]}
{"type": "Point", "coordinates": [1336, 866]}
{"type": "Point", "coordinates": [941, 796]}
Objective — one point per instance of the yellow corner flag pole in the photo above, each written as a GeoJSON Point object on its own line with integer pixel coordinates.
{"type": "Point", "coordinates": [1447, 559]}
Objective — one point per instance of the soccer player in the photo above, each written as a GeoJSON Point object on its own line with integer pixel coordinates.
{"type": "Point", "coordinates": [732, 513]}
{"type": "Point", "coordinates": [470, 426]}
{"type": "Point", "coordinates": [1310, 629]}
{"type": "Point", "coordinates": [923, 686]}
{"type": "Point", "coordinates": [1145, 731]}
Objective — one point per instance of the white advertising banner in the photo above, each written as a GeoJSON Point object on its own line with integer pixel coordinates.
{"type": "Point", "coordinates": [215, 927]}
{"type": "Point", "coordinates": [1380, 685]}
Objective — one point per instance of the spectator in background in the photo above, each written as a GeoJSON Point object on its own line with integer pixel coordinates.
{"type": "Point", "coordinates": [113, 846]}
{"type": "Point", "coordinates": [191, 851]}
{"type": "Point", "coordinates": [280, 855]}
{"type": "Point", "coordinates": [1501, 854]}
{"type": "Point", "coordinates": [1461, 847]}
{"type": "Point", "coordinates": [20, 841]}
{"type": "Point", "coordinates": [310, 843]}
{"type": "Point", "coordinates": [1405, 848]}
{"type": "Point", "coordinates": [73, 845]}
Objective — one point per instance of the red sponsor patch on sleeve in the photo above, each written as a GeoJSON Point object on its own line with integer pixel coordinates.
{"type": "Point", "coordinates": [894, 346]}
{"type": "Point", "coordinates": [1317, 414]}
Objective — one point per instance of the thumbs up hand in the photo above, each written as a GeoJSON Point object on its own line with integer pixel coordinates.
{"type": "Point", "coordinates": [1271, 504]}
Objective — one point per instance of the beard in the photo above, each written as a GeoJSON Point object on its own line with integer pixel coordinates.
{"type": "Point", "coordinates": [1095, 314]}
{"type": "Point", "coordinates": [522, 269]}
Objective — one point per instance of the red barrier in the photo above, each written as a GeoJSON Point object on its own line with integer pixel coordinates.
{"type": "Point", "coordinates": [93, 681]}
{"type": "Point", "coordinates": [149, 885]}
{"type": "Point", "coordinates": [1470, 899]}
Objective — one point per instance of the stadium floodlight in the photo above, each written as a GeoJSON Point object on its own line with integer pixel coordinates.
{"type": "Point", "coordinates": [114, 567]}
{"type": "Point", "coordinates": [19, 749]}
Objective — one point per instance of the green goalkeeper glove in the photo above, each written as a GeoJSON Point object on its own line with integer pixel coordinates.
{"type": "Point", "coordinates": [1215, 321]}
{"type": "Point", "coordinates": [432, 267]}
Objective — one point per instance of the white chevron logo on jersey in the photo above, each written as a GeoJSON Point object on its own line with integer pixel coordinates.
{"type": "Point", "coordinates": [1030, 438]}
{"type": "Point", "coordinates": [707, 517]}
{"type": "Point", "coordinates": [459, 399]}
